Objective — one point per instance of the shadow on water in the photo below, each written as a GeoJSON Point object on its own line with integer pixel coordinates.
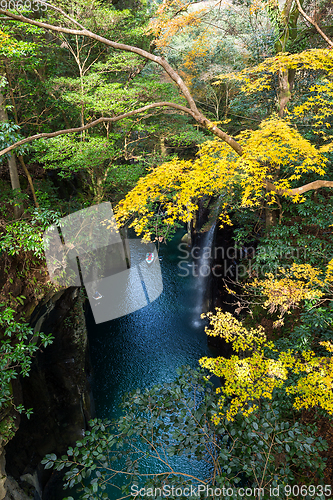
{"type": "Point", "coordinates": [146, 347]}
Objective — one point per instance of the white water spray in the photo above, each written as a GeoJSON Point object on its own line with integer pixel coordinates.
{"type": "Point", "coordinates": [203, 272]}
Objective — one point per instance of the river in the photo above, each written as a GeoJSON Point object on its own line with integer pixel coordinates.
{"type": "Point", "coordinates": [146, 347]}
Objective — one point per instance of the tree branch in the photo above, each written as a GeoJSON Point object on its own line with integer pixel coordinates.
{"type": "Point", "coordinates": [310, 20]}
{"type": "Point", "coordinates": [300, 190]}
{"type": "Point", "coordinates": [193, 111]}
{"type": "Point", "coordinates": [115, 45]}
{"type": "Point", "coordinates": [74, 21]}
{"type": "Point", "coordinates": [48, 135]}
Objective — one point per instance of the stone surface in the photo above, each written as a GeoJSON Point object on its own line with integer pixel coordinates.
{"type": "Point", "coordinates": [14, 492]}
{"type": "Point", "coordinates": [2, 474]}
{"type": "Point", "coordinates": [58, 391]}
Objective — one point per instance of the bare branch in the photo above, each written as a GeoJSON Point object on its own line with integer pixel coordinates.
{"type": "Point", "coordinates": [300, 190]}
{"type": "Point", "coordinates": [48, 135]}
{"type": "Point", "coordinates": [62, 13]}
{"type": "Point", "coordinates": [310, 20]}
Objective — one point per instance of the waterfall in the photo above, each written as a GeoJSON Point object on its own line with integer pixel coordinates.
{"type": "Point", "coordinates": [202, 269]}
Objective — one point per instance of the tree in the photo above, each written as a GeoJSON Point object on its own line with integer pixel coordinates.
{"type": "Point", "coordinates": [296, 369]}
{"type": "Point", "coordinates": [275, 151]}
{"type": "Point", "coordinates": [93, 158]}
{"type": "Point", "coordinates": [313, 22]}
{"type": "Point", "coordinates": [275, 156]}
{"type": "Point", "coordinates": [205, 40]}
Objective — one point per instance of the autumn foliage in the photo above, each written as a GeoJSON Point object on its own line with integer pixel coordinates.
{"type": "Point", "coordinates": [258, 370]}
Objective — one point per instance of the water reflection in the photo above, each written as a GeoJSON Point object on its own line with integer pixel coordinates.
{"type": "Point", "coordinates": [146, 347]}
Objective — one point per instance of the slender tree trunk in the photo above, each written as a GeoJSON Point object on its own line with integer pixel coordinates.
{"type": "Point", "coordinates": [286, 83]}
{"type": "Point", "coordinates": [270, 217]}
{"type": "Point", "coordinates": [14, 177]}
{"type": "Point", "coordinates": [26, 171]}
{"type": "Point", "coordinates": [288, 19]}
{"type": "Point", "coordinates": [83, 133]}
{"type": "Point", "coordinates": [270, 214]}
{"type": "Point", "coordinates": [162, 146]}
{"type": "Point", "coordinates": [21, 160]}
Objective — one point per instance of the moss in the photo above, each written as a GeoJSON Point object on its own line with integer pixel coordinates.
{"type": "Point", "coordinates": [7, 429]}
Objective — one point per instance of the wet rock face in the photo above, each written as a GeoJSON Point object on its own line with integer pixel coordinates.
{"type": "Point", "coordinates": [2, 474]}
{"type": "Point", "coordinates": [57, 388]}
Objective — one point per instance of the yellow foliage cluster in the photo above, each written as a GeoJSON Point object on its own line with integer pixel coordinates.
{"type": "Point", "coordinates": [290, 287]}
{"type": "Point", "coordinates": [7, 42]}
{"type": "Point", "coordinates": [200, 50]}
{"type": "Point", "coordinates": [329, 272]}
{"type": "Point", "coordinates": [3, 38]}
{"type": "Point", "coordinates": [250, 375]}
{"type": "Point", "coordinates": [174, 187]}
{"type": "Point", "coordinates": [259, 77]}
{"type": "Point", "coordinates": [275, 145]}
{"type": "Point", "coordinates": [315, 387]}
{"type": "Point", "coordinates": [234, 332]}
{"type": "Point", "coordinates": [319, 107]}
{"type": "Point", "coordinates": [172, 17]}
{"type": "Point", "coordinates": [256, 6]}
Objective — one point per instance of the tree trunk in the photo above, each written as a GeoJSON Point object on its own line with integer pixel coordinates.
{"type": "Point", "coordinates": [20, 158]}
{"type": "Point", "coordinates": [270, 214]}
{"type": "Point", "coordinates": [162, 146]}
{"type": "Point", "coordinates": [14, 177]}
{"type": "Point", "coordinates": [288, 24]}
{"type": "Point", "coordinates": [286, 83]}
{"type": "Point", "coordinates": [270, 217]}
{"type": "Point", "coordinates": [32, 188]}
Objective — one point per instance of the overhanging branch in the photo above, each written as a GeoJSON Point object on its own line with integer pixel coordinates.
{"type": "Point", "coordinates": [300, 190]}
{"type": "Point", "coordinates": [115, 45]}
{"type": "Point", "coordinates": [48, 135]}
{"type": "Point", "coordinates": [195, 113]}
{"type": "Point", "coordinates": [311, 21]}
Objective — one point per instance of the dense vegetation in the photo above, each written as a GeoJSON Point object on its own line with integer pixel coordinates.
{"type": "Point", "coordinates": [157, 107]}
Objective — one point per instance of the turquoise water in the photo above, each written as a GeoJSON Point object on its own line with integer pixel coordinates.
{"type": "Point", "coordinates": [146, 347]}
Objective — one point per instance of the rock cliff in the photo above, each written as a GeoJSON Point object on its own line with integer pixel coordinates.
{"type": "Point", "coordinates": [57, 390]}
